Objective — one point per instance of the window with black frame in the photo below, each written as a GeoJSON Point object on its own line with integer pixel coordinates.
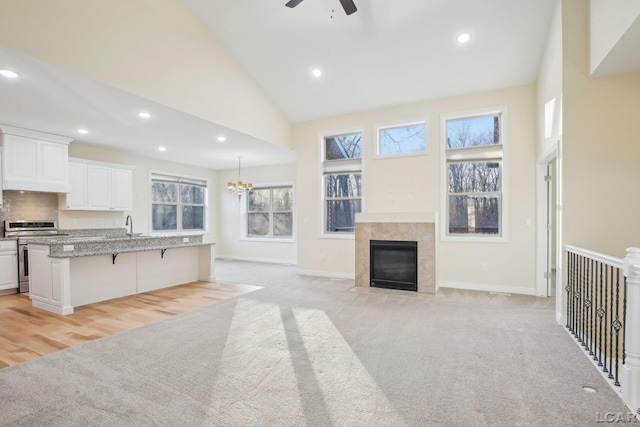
{"type": "Point", "coordinates": [342, 182]}
{"type": "Point", "coordinates": [474, 171]}
{"type": "Point", "coordinates": [270, 212]}
{"type": "Point", "coordinates": [178, 203]}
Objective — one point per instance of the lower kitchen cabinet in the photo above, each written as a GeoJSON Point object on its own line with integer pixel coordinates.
{"type": "Point", "coordinates": [8, 266]}
{"type": "Point", "coordinates": [58, 284]}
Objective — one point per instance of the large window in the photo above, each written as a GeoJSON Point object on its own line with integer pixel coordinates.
{"type": "Point", "coordinates": [270, 212]}
{"type": "Point", "coordinates": [402, 139]}
{"type": "Point", "coordinates": [342, 182]}
{"type": "Point", "coordinates": [473, 157]}
{"type": "Point", "coordinates": [178, 203]}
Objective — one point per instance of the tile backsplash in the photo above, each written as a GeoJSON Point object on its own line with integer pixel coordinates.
{"type": "Point", "coordinates": [29, 205]}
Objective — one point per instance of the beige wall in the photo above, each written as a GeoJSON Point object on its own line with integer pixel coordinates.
{"type": "Point", "coordinates": [155, 49]}
{"type": "Point", "coordinates": [230, 243]}
{"type": "Point", "coordinates": [508, 264]}
{"type": "Point", "coordinates": [141, 212]}
{"type": "Point", "coordinates": [601, 153]}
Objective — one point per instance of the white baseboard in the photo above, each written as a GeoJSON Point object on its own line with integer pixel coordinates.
{"type": "Point", "coordinates": [255, 259]}
{"type": "Point", "coordinates": [486, 288]}
{"type": "Point", "coordinates": [331, 274]}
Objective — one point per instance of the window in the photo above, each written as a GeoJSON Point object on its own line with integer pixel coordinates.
{"type": "Point", "coordinates": [342, 182]}
{"type": "Point", "coordinates": [178, 203]}
{"type": "Point", "coordinates": [473, 157]}
{"type": "Point", "coordinates": [401, 139]}
{"type": "Point", "coordinates": [270, 212]}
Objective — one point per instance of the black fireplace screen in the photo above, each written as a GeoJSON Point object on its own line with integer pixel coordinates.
{"type": "Point", "coordinates": [394, 264]}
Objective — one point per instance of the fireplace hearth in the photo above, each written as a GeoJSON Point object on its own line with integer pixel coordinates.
{"type": "Point", "coordinates": [394, 264]}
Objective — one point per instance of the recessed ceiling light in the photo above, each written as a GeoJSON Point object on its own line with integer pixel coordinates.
{"type": "Point", "coordinates": [222, 138]}
{"type": "Point", "coordinates": [9, 74]}
{"type": "Point", "coordinates": [316, 72]}
{"type": "Point", "coordinates": [162, 148]}
{"type": "Point", "coordinates": [83, 131]}
{"type": "Point", "coordinates": [464, 38]}
{"type": "Point", "coordinates": [144, 115]}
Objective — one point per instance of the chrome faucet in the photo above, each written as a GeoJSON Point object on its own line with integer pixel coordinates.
{"type": "Point", "coordinates": [130, 232]}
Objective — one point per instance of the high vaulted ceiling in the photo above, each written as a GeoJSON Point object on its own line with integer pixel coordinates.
{"type": "Point", "coordinates": [387, 53]}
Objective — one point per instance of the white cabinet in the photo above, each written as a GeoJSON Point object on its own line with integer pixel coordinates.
{"type": "Point", "coordinates": [34, 161]}
{"type": "Point", "coordinates": [77, 198]}
{"type": "Point", "coordinates": [121, 189]}
{"type": "Point", "coordinates": [99, 186]}
{"type": "Point", "coordinates": [8, 266]}
{"type": "Point", "coordinates": [0, 178]}
{"type": "Point", "coordinates": [49, 281]}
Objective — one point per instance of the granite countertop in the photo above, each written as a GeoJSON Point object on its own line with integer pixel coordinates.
{"type": "Point", "coordinates": [89, 245]}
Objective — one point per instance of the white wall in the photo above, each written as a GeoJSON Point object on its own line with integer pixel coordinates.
{"type": "Point", "coordinates": [230, 243]}
{"type": "Point", "coordinates": [155, 49]}
{"type": "Point", "coordinates": [141, 212]}
{"type": "Point", "coordinates": [412, 184]}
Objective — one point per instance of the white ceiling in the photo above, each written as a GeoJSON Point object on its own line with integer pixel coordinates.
{"type": "Point", "coordinates": [388, 52]}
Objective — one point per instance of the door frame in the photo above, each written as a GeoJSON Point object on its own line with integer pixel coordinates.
{"type": "Point", "coordinates": [542, 252]}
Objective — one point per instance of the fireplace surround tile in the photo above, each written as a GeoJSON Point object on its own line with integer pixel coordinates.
{"type": "Point", "coordinates": [420, 228]}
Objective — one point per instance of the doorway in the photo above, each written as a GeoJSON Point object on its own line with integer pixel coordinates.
{"type": "Point", "coordinates": [549, 224]}
{"type": "Point", "coordinates": [551, 227]}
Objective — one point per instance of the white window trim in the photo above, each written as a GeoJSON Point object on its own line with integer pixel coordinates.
{"type": "Point", "coordinates": [160, 233]}
{"type": "Point", "coordinates": [321, 169]}
{"type": "Point", "coordinates": [399, 123]}
{"type": "Point", "coordinates": [271, 239]}
{"type": "Point", "coordinates": [504, 209]}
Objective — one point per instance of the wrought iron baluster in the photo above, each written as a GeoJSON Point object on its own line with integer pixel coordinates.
{"type": "Point", "coordinates": [610, 376]}
{"type": "Point", "coordinates": [583, 293]}
{"type": "Point", "coordinates": [624, 325]}
{"type": "Point", "coordinates": [617, 325]}
{"type": "Point", "coordinates": [568, 288]}
{"type": "Point", "coordinates": [588, 308]}
{"type": "Point", "coordinates": [601, 314]}
{"type": "Point", "coordinates": [606, 315]}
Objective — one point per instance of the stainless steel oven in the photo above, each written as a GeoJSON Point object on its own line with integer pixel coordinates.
{"type": "Point", "coordinates": [25, 231]}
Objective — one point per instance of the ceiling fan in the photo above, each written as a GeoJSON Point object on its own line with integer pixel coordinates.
{"type": "Point", "coordinates": [348, 5]}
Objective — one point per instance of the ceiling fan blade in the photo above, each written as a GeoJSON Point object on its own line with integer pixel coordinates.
{"type": "Point", "coordinates": [348, 6]}
{"type": "Point", "coordinates": [293, 3]}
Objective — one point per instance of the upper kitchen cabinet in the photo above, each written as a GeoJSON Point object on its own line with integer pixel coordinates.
{"type": "Point", "coordinates": [98, 186]}
{"type": "Point", "coordinates": [34, 161]}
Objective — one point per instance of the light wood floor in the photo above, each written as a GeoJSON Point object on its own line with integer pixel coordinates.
{"type": "Point", "coordinates": [27, 332]}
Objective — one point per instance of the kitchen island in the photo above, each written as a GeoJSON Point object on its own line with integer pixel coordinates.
{"type": "Point", "coordinates": [71, 271]}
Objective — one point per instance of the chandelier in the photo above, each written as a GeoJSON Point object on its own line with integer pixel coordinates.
{"type": "Point", "coordinates": [239, 188]}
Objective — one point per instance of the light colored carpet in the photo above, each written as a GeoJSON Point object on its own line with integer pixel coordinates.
{"type": "Point", "coordinates": [314, 351]}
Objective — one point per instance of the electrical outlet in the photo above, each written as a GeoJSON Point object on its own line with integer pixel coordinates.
{"type": "Point", "coordinates": [483, 266]}
{"type": "Point", "coordinates": [67, 248]}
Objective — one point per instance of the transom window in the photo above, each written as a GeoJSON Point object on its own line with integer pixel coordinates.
{"type": "Point", "coordinates": [473, 158]}
{"type": "Point", "coordinates": [402, 139]}
{"type": "Point", "coordinates": [342, 181]}
{"type": "Point", "coordinates": [178, 203]}
{"type": "Point", "coordinates": [270, 212]}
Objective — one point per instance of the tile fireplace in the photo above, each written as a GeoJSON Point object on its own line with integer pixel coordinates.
{"type": "Point", "coordinates": [397, 227]}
